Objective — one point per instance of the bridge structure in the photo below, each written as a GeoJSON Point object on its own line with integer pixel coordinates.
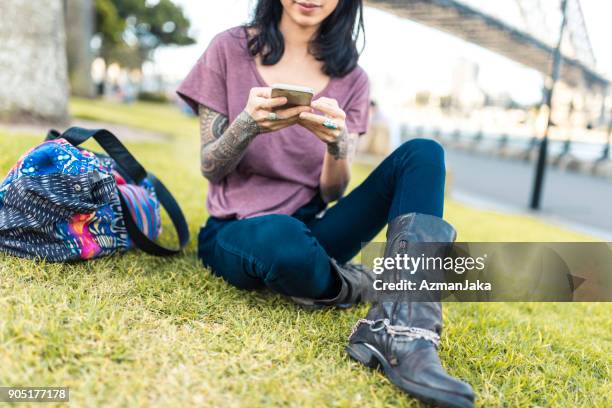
{"type": "Point", "coordinates": [531, 44]}
{"type": "Point", "coordinates": [549, 36]}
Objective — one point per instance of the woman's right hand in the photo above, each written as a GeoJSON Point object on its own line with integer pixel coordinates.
{"type": "Point", "coordinates": [261, 108]}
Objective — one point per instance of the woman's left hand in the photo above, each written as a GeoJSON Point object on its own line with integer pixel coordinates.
{"type": "Point", "coordinates": [329, 127]}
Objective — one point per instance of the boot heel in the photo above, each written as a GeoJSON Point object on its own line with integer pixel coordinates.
{"type": "Point", "coordinates": [362, 353]}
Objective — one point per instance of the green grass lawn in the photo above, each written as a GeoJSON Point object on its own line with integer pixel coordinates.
{"type": "Point", "coordinates": [136, 330]}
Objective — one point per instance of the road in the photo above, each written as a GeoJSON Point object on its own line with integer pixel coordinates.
{"type": "Point", "coordinates": [568, 197]}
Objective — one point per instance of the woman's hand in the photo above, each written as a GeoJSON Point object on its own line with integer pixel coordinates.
{"type": "Point", "coordinates": [329, 127]}
{"type": "Point", "coordinates": [261, 108]}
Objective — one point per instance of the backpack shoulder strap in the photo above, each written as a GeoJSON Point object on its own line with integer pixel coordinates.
{"type": "Point", "coordinates": [111, 145]}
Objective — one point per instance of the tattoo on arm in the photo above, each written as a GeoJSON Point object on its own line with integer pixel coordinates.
{"type": "Point", "coordinates": [223, 144]}
{"type": "Point", "coordinates": [345, 146]}
{"type": "Point", "coordinates": [345, 149]}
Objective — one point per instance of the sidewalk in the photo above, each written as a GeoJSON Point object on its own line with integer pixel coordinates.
{"type": "Point", "coordinates": [577, 201]}
{"type": "Point", "coordinates": [574, 201]}
{"type": "Point", "coordinates": [125, 132]}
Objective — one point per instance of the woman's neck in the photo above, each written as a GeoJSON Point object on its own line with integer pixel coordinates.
{"type": "Point", "coordinates": [296, 37]}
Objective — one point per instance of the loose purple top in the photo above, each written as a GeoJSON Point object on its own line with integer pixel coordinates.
{"type": "Point", "coordinates": [280, 171]}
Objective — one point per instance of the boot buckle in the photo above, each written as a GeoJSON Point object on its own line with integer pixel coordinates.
{"type": "Point", "coordinates": [377, 325]}
{"type": "Point", "coordinates": [407, 333]}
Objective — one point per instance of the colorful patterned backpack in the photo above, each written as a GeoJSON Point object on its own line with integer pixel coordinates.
{"type": "Point", "coordinates": [64, 203]}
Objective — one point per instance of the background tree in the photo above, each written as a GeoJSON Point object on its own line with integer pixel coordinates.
{"type": "Point", "coordinates": [79, 30]}
{"type": "Point", "coordinates": [130, 30]}
{"type": "Point", "coordinates": [33, 72]}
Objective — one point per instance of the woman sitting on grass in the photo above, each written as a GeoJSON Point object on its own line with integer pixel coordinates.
{"type": "Point", "coordinates": [273, 170]}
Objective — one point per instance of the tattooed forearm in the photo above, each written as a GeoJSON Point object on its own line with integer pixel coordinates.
{"type": "Point", "coordinates": [336, 173]}
{"type": "Point", "coordinates": [223, 145]}
{"type": "Point", "coordinates": [344, 147]}
{"type": "Point", "coordinates": [331, 193]}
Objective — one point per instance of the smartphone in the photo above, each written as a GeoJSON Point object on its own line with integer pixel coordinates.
{"type": "Point", "coordinates": [296, 95]}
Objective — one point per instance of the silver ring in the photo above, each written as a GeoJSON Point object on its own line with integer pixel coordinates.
{"type": "Point", "coordinates": [272, 116]}
{"type": "Point", "coordinates": [330, 124]}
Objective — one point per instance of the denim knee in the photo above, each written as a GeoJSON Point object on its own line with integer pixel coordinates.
{"type": "Point", "coordinates": [295, 263]}
{"type": "Point", "coordinates": [421, 152]}
{"type": "Point", "coordinates": [276, 250]}
{"type": "Point", "coordinates": [290, 250]}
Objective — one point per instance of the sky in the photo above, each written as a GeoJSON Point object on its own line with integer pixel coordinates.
{"type": "Point", "coordinates": [402, 56]}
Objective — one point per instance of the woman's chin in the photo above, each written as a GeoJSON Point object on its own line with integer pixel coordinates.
{"type": "Point", "coordinates": [306, 21]}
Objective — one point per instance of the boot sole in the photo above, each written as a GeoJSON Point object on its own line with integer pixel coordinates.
{"type": "Point", "coordinates": [314, 306]}
{"type": "Point", "coordinates": [372, 358]}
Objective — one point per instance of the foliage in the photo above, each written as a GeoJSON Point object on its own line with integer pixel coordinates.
{"type": "Point", "coordinates": [155, 97]}
{"type": "Point", "coordinates": [138, 331]}
{"type": "Point", "coordinates": [108, 23]}
{"type": "Point", "coordinates": [132, 29]}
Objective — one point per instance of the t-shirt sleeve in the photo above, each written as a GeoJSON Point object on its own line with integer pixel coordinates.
{"type": "Point", "coordinates": [206, 83]}
{"type": "Point", "coordinates": [358, 106]}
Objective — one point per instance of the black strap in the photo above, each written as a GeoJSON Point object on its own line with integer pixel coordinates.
{"type": "Point", "coordinates": [174, 212]}
{"type": "Point", "coordinates": [111, 145]}
{"type": "Point", "coordinates": [134, 170]}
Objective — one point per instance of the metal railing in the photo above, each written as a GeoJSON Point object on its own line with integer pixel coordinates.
{"type": "Point", "coordinates": [569, 153]}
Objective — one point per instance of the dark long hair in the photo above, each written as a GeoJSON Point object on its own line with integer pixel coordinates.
{"type": "Point", "coordinates": [335, 44]}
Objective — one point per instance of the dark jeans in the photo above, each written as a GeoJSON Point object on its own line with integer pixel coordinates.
{"type": "Point", "coordinates": [290, 254]}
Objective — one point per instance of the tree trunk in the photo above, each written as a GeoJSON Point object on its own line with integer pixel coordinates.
{"type": "Point", "coordinates": [79, 30]}
{"type": "Point", "coordinates": [33, 67]}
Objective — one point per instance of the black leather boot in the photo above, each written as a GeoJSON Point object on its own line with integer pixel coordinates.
{"type": "Point", "coordinates": [401, 335]}
{"type": "Point", "coordinates": [356, 286]}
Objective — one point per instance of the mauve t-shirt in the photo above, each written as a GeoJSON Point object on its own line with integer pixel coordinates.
{"type": "Point", "coordinates": [280, 171]}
